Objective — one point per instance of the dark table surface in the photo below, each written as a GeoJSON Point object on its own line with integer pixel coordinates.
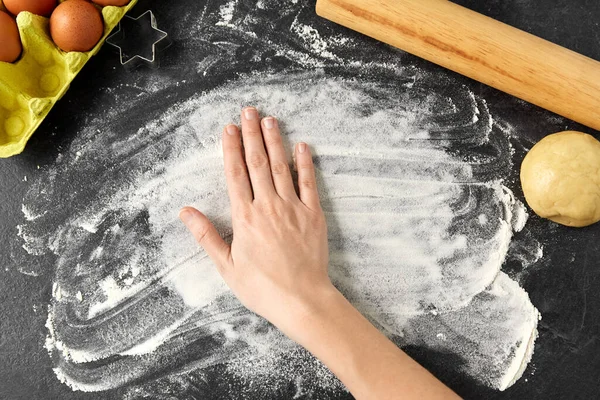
{"type": "Point", "coordinates": [563, 285]}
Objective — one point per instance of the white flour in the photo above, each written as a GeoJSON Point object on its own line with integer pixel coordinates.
{"type": "Point", "coordinates": [226, 13]}
{"type": "Point", "coordinates": [417, 237]}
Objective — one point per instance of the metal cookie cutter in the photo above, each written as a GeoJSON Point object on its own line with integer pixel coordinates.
{"type": "Point", "coordinates": [139, 40]}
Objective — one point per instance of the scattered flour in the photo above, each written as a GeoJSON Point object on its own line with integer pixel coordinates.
{"type": "Point", "coordinates": [417, 236]}
{"type": "Point", "coordinates": [311, 36]}
{"type": "Point", "coordinates": [226, 13]}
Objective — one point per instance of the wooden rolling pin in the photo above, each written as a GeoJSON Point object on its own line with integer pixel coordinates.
{"type": "Point", "coordinates": [481, 48]}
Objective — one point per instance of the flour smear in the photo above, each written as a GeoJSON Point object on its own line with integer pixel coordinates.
{"type": "Point", "coordinates": [418, 233]}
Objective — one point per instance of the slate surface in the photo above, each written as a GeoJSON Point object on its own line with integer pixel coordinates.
{"type": "Point", "coordinates": [563, 285]}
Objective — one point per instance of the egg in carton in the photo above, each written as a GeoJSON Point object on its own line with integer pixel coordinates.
{"type": "Point", "coordinates": [31, 86]}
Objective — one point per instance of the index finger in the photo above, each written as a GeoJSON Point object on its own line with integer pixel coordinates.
{"type": "Point", "coordinates": [236, 173]}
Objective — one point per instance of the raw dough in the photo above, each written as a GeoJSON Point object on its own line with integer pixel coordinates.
{"type": "Point", "coordinates": [561, 178]}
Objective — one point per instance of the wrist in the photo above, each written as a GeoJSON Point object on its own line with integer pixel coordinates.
{"type": "Point", "coordinates": [307, 314]}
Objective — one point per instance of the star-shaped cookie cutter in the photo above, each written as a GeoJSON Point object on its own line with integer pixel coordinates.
{"type": "Point", "coordinates": [133, 39]}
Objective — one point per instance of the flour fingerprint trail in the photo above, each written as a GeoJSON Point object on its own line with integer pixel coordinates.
{"type": "Point", "coordinates": [418, 234]}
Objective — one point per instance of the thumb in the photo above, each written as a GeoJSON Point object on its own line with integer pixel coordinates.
{"type": "Point", "coordinates": [206, 234]}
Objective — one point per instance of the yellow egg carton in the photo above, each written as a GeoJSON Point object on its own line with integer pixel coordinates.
{"type": "Point", "coordinates": [30, 87]}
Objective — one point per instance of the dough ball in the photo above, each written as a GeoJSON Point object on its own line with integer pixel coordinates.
{"type": "Point", "coordinates": [561, 178]}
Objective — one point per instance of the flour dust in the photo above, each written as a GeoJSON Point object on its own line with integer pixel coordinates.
{"type": "Point", "coordinates": [418, 233]}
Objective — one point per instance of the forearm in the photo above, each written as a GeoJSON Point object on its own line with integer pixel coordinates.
{"type": "Point", "coordinates": [368, 363]}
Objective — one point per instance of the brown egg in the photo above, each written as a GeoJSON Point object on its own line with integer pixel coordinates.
{"type": "Point", "coordinates": [10, 41]}
{"type": "Point", "coordinates": [76, 25]}
{"type": "Point", "coordinates": [39, 7]}
{"type": "Point", "coordinates": [2, 8]}
{"type": "Point", "coordinates": [118, 3]}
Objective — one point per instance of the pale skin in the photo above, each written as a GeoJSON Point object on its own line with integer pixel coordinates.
{"type": "Point", "coordinates": [277, 266]}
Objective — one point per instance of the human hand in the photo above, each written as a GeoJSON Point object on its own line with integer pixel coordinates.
{"type": "Point", "coordinates": [277, 262]}
{"type": "Point", "coordinates": [277, 266]}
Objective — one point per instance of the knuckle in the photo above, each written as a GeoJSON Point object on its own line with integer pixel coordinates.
{"type": "Point", "coordinates": [273, 141]}
{"type": "Point", "coordinates": [202, 234]}
{"type": "Point", "coordinates": [279, 168]}
{"type": "Point", "coordinates": [257, 160]}
{"type": "Point", "coordinates": [231, 146]}
{"type": "Point", "coordinates": [268, 208]}
{"type": "Point", "coordinates": [253, 132]}
{"type": "Point", "coordinates": [308, 183]}
{"type": "Point", "coordinates": [305, 166]}
{"type": "Point", "coordinates": [317, 219]}
{"type": "Point", "coordinates": [236, 171]}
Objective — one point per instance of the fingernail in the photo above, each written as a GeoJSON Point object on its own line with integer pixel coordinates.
{"type": "Point", "coordinates": [269, 122]}
{"type": "Point", "coordinates": [250, 113]}
{"type": "Point", "coordinates": [231, 129]}
{"type": "Point", "coordinates": [301, 147]}
{"type": "Point", "coordinates": [186, 216]}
